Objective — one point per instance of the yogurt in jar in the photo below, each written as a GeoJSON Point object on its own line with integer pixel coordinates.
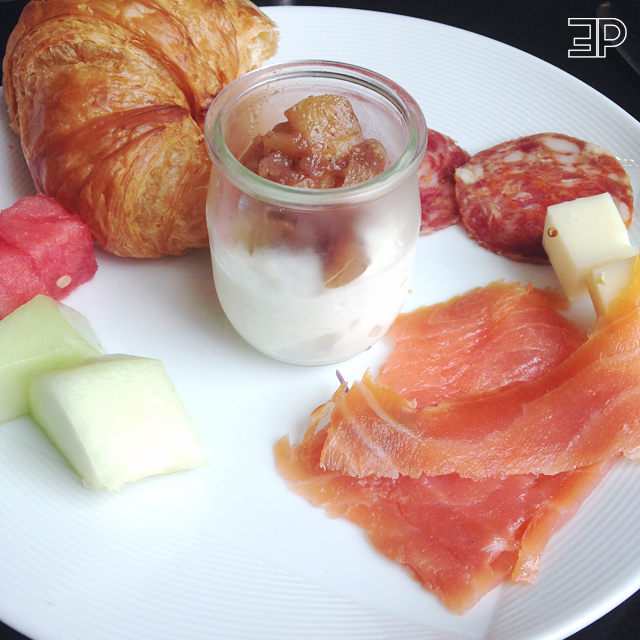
{"type": "Point", "coordinates": [279, 304]}
{"type": "Point", "coordinates": [313, 275]}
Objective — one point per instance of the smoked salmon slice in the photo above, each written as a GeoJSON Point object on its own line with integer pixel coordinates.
{"type": "Point", "coordinates": [563, 501]}
{"type": "Point", "coordinates": [485, 339]}
{"type": "Point", "coordinates": [581, 412]}
{"type": "Point", "coordinates": [459, 537]}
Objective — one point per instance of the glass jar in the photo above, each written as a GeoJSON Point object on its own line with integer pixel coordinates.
{"type": "Point", "coordinates": [273, 246]}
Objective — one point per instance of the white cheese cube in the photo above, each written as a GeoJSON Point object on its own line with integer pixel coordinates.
{"type": "Point", "coordinates": [606, 282]}
{"type": "Point", "coordinates": [581, 235]}
{"type": "Point", "coordinates": [116, 419]}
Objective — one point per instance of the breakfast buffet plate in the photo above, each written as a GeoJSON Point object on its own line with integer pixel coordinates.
{"type": "Point", "coordinates": [227, 551]}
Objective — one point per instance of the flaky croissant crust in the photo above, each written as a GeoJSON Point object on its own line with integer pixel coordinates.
{"type": "Point", "coordinates": [109, 99]}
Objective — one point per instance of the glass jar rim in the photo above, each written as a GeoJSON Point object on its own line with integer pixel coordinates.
{"type": "Point", "coordinates": [260, 187]}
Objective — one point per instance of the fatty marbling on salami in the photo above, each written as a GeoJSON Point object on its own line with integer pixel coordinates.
{"type": "Point", "coordinates": [437, 184]}
{"type": "Point", "coordinates": [503, 192]}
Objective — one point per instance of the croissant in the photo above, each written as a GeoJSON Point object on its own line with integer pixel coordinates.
{"type": "Point", "coordinates": [109, 99]}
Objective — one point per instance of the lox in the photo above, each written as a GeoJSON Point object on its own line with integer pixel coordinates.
{"type": "Point", "coordinates": [584, 411]}
{"type": "Point", "coordinates": [459, 537]}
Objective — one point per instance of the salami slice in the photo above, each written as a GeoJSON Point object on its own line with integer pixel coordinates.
{"type": "Point", "coordinates": [437, 184]}
{"type": "Point", "coordinates": [503, 192]}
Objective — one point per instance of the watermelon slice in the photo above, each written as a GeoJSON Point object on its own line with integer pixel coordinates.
{"type": "Point", "coordinates": [20, 279]}
{"type": "Point", "coordinates": [59, 245]}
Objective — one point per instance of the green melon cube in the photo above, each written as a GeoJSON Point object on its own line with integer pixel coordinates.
{"type": "Point", "coordinates": [41, 334]}
{"type": "Point", "coordinates": [116, 419]}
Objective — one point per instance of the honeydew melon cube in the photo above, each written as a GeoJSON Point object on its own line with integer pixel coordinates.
{"type": "Point", "coordinates": [38, 335]}
{"type": "Point", "coordinates": [116, 419]}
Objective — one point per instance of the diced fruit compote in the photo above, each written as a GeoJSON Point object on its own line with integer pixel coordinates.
{"type": "Point", "coordinates": [39, 335]}
{"type": "Point", "coordinates": [327, 124]}
{"type": "Point", "coordinates": [116, 419]}
{"type": "Point", "coordinates": [365, 161]}
{"type": "Point", "coordinates": [58, 243]}
{"type": "Point", "coordinates": [313, 208]}
{"type": "Point", "coordinates": [320, 146]}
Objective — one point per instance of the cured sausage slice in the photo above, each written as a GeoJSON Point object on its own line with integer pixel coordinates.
{"type": "Point", "coordinates": [503, 192]}
{"type": "Point", "coordinates": [437, 183]}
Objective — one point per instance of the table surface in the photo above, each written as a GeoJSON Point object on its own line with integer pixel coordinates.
{"type": "Point", "coordinates": [540, 28]}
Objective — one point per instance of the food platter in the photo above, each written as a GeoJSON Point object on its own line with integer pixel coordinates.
{"type": "Point", "coordinates": [226, 551]}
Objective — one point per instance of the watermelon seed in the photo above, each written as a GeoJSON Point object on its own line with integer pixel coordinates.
{"type": "Point", "coordinates": [63, 281]}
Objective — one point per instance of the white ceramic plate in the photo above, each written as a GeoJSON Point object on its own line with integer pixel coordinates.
{"type": "Point", "coordinates": [227, 552]}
